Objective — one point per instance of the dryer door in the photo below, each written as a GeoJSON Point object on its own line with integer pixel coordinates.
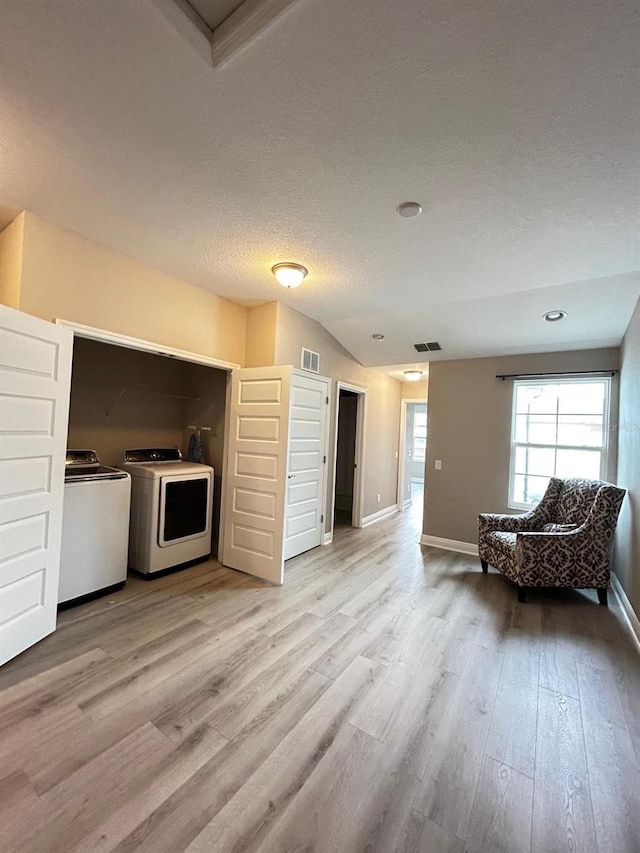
{"type": "Point", "coordinates": [185, 508]}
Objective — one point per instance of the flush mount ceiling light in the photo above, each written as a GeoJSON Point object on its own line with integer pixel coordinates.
{"type": "Point", "coordinates": [412, 375]}
{"type": "Point", "coordinates": [377, 336]}
{"type": "Point", "coordinates": [409, 209]}
{"type": "Point", "coordinates": [554, 316]}
{"type": "Point", "coordinates": [289, 275]}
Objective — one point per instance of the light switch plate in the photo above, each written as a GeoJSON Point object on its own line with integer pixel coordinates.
{"type": "Point", "coordinates": [438, 464]}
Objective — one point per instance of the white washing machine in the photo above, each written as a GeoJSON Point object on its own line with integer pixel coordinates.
{"type": "Point", "coordinates": [95, 528]}
{"type": "Point", "coordinates": [171, 510]}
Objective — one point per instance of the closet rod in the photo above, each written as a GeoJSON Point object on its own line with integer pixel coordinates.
{"type": "Point", "coordinates": [135, 391]}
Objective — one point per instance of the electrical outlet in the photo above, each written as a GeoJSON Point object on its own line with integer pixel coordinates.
{"type": "Point", "coordinates": [378, 498]}
{"type": "Point", "coordinates": [438, 464]}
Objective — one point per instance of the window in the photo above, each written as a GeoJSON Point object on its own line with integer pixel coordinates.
{"type": "Point", "coordinates": [419, 434]}
{"type": "Point", "coordinates": [559, 429]}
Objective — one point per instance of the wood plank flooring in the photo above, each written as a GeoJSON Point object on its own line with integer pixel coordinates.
{"type": "Point", "coordinates": [389, 697]}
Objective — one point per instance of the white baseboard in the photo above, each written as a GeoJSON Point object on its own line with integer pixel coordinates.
{"type": "Point", "coordinates": [328, 538]}
{"type": "Point", "coordinates": [378, 516]}
{"type": "Point", "coordinates": [630, 615]}
{"type": "Point", "coordinates": [449, 544]}
{"type": "Point", "coordinates": [406, 503]}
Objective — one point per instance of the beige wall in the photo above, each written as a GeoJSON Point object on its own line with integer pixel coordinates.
{"type": "Point", "coordinates": [627, 564]}
{"type": "Point", "coordinates": [11, 246]}
{"type": "Point", "coordinates": [295, 330]}
{"type": "Point", "coordinates": [98, 420]}
{"type": "Point", "coordinates": [261, 335]}
{"type": "Point", "coordinates": [415, 390]}
{"type": "Point", "coordinates": [68, 276]}
{"type": "Point", "coordinates": [469, 429]}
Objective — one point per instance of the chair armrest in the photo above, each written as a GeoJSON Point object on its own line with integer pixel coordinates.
{"type": "Point", "coordinates": [488, 521]}
{"type": "Point", "coordinates": [540, 541]}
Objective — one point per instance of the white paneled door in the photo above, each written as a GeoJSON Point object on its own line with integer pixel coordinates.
{"type": "Point", "coordinates": [35, 377]}
{"type": "Point", "coordinates": [305, 497]}
{"type": "Point", "coordinates": [256, 471]}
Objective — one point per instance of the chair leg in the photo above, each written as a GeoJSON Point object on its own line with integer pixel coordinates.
{"type": "Point", "coordinates": [485, 565]}
{"type": "Point", "coordinates": [602, 596]}
{"type": "Point", "coordinates": [522, 594]}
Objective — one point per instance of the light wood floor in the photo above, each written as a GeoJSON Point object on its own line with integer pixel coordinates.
{"type": "Point", "coordinates": [387, 698]}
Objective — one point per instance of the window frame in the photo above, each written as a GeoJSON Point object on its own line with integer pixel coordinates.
{"type": "Point", "coordinates": [558, 380]}
{"type": "Point", "coordinates": [422, 455]}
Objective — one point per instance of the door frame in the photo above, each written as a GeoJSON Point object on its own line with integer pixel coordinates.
{"type": "Point", "coordinates": [402, 504]}
{"type": "Point", "coordinates": [358, 477]}
{"type": "Point", "coordinates": [143, 345]}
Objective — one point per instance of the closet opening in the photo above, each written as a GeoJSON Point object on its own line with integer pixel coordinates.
{"type": "Point", "coordinates": [124, 398]}
{"type": "Point", "coordinates": [347, 495]}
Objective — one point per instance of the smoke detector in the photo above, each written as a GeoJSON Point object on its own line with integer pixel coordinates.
{"type": "Point", "coordinates": [409, 209]}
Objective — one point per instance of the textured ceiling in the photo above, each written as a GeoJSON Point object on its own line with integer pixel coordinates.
{"type": "Point", "coordinates": [515, 124]}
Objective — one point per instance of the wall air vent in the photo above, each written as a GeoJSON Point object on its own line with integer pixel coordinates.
{"type": "Point", "coordinates": [432, 346]}
{"type": "Point", "coordinates": [310, 361]}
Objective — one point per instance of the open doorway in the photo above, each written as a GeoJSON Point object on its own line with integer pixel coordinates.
{"type": "Point", "coordinates": [347, 503]}
{"type": "Point", "coordinates": [345, 458]}
{"type": "Point", "coordinates": [413, 453]}
{"type": "Point", "coordinates": [131, 393]}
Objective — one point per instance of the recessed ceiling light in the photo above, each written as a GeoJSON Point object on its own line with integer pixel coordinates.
{"type": "Point", "coordinates": [377, 336]}
{"type": "Point", "coordinates": [554, 316]}
{"type": "Point", "coordinates": [289, 275]}
{"type": "Point", "coordinates": [412, 375]}
{"type": "Point", "coordinates": [409, 209]}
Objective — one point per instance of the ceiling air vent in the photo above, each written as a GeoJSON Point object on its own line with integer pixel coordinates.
{"type": "Point", "coordinates": [432, 346]}
{"type": "Point", "coordinates": [310, 361]}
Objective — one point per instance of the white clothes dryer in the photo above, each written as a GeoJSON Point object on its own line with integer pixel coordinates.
{"type": "Point", "coordinates": [171, 510]}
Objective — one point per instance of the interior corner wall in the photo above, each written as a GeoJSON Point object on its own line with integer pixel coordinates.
{"type": "Point", "coordinates": [261, 335]}
{"type": "Point", "coordinates": [67, 276]}
{"type": "Point", "coordinates": [627, 559]}
{"type": "Point", "coordinates": [108, 422]}
{"type": "Point", "coordinates": [11, 250]}
{"type": "Point", "coordinates": [294, 331]}
{"type": "Point", "coordinates": [469, 430]}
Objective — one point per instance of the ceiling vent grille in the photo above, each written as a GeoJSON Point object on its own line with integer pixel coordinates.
{"type": "Point", "coordinates": [431, 346]}
{"type": "Point", "coordinates": [310, 360]}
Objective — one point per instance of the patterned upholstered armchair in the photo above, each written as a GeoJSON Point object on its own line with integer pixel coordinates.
{"type": "Point", "coordinates": [565, 541]}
